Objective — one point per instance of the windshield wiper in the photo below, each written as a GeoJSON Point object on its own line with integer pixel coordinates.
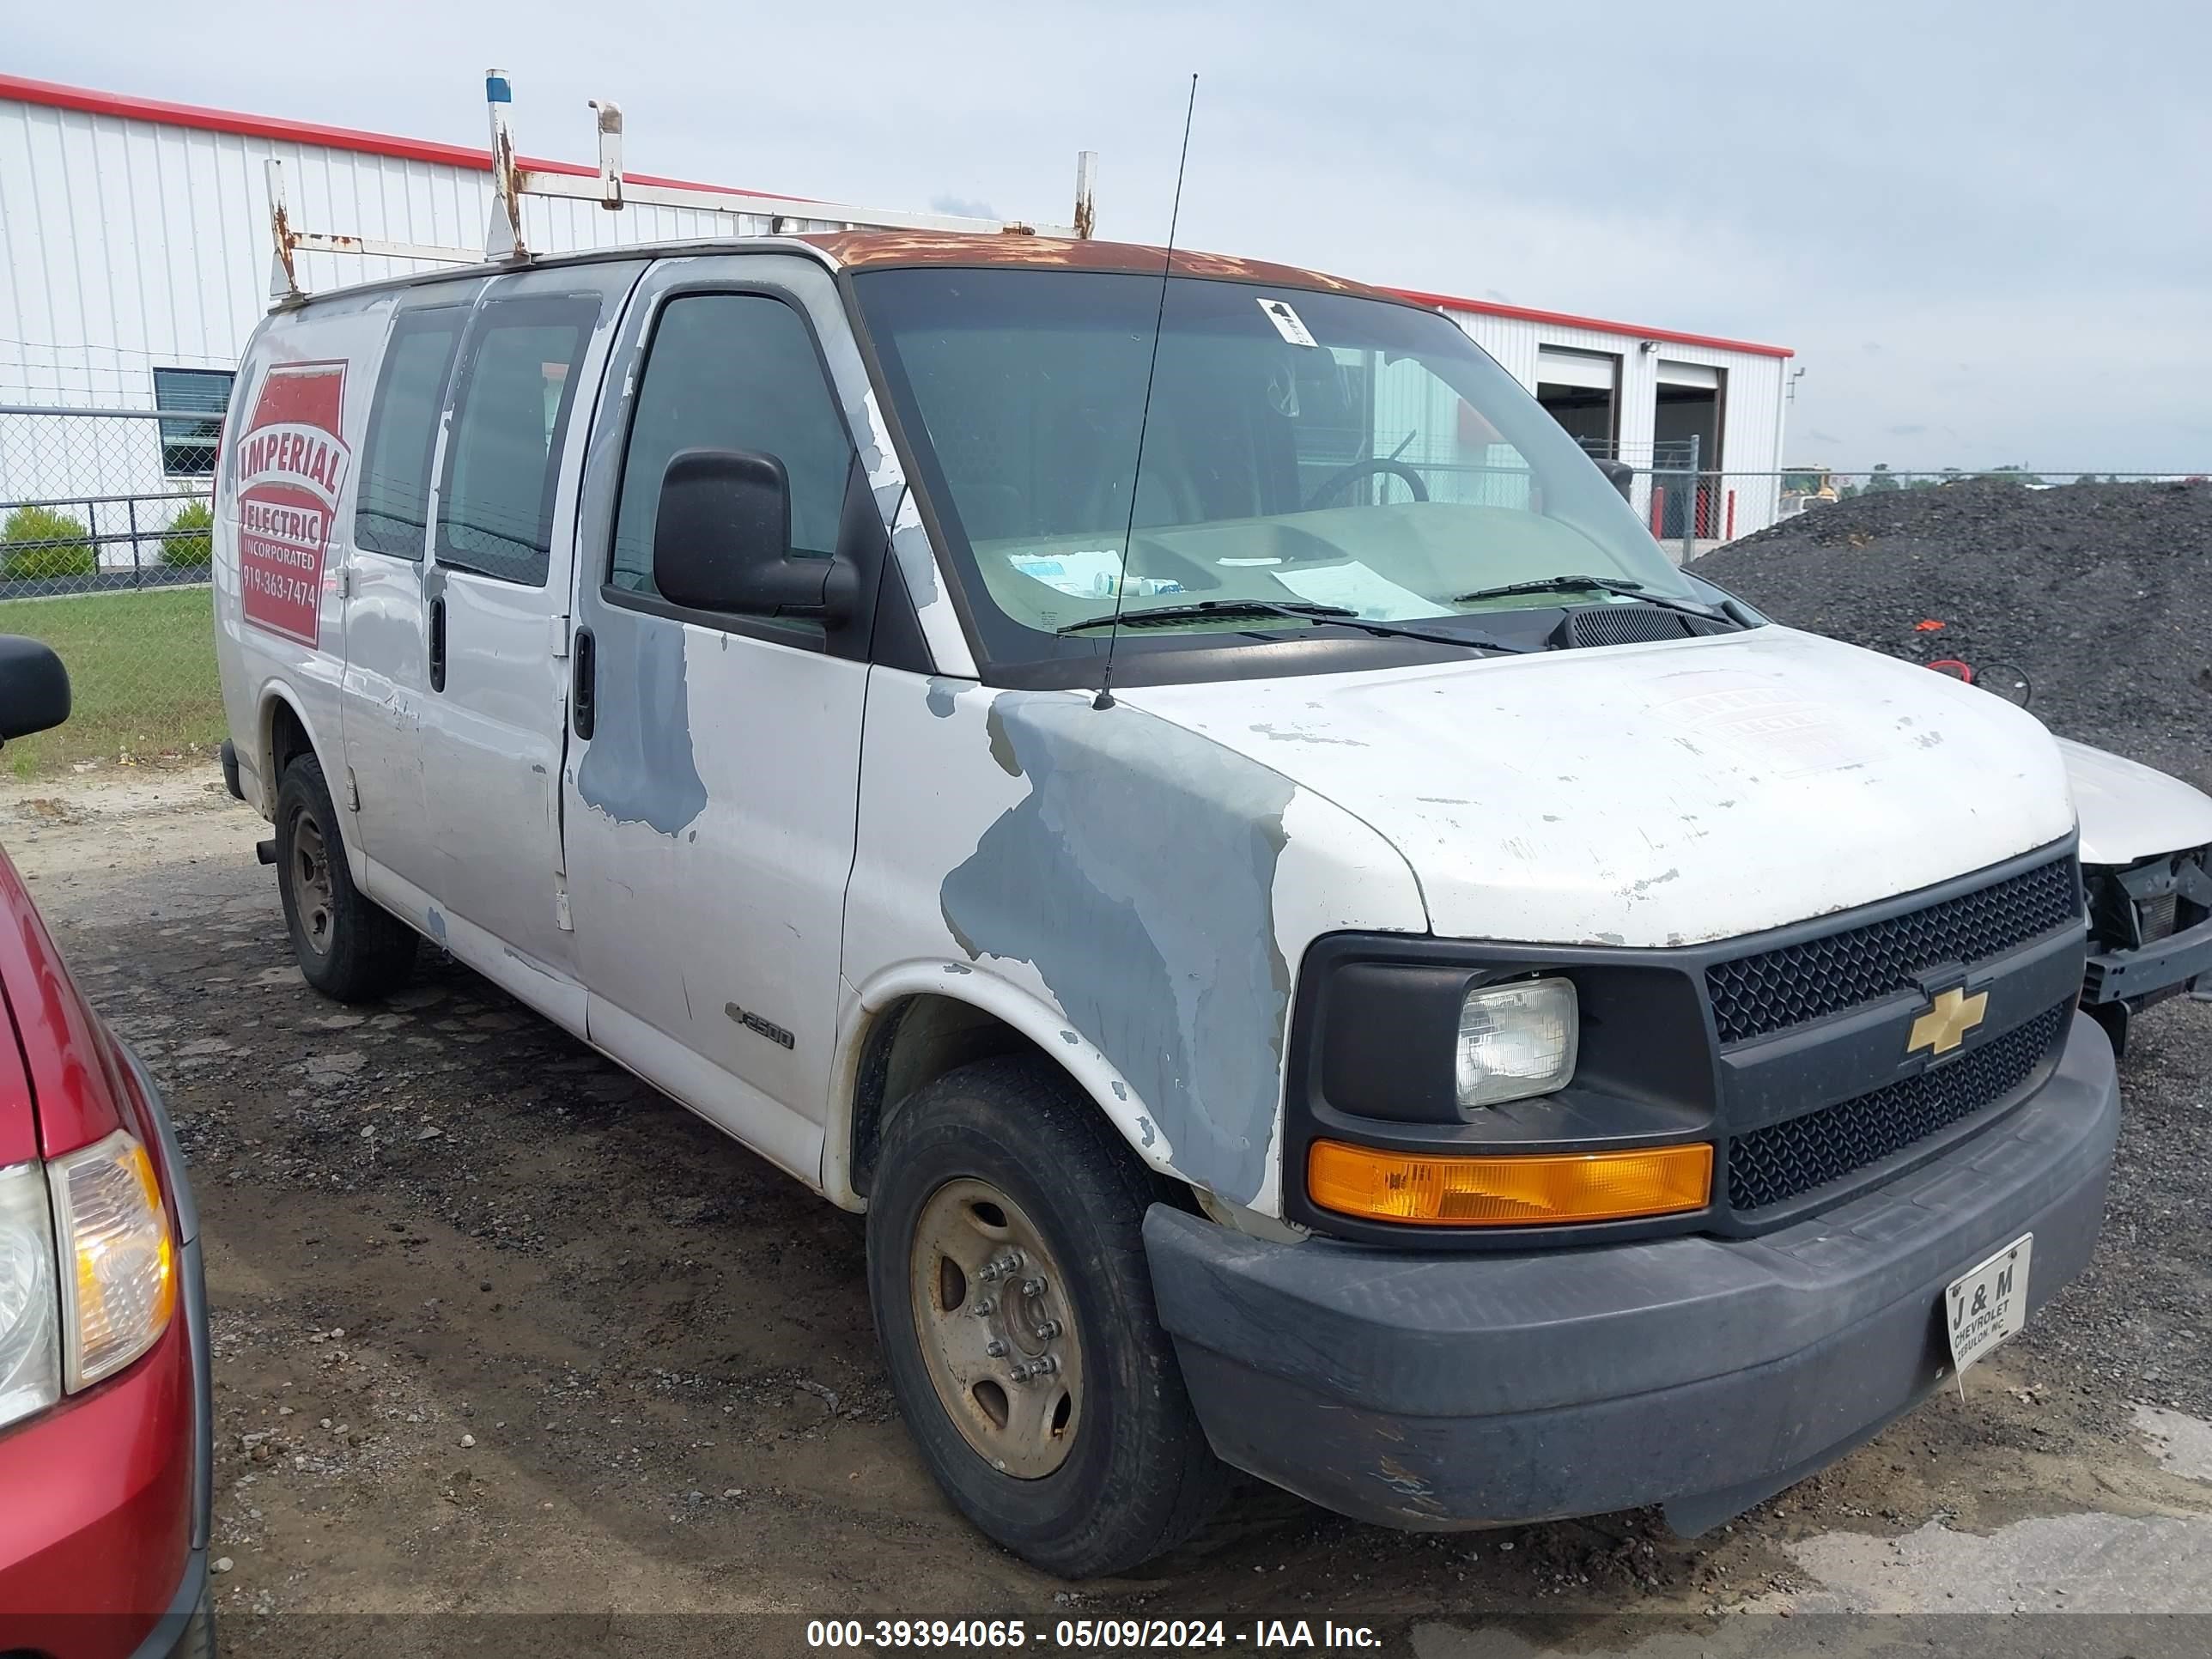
{"type": "Point", "coordinates": [1334, 616]}
{"type": "Point", "coordinates": [1208, 608]}
{"type": "Point", "coordinates": [1598, 584]}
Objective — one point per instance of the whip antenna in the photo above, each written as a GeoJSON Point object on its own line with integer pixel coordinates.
{"type": "Point", "coordinates": [1105, 697]}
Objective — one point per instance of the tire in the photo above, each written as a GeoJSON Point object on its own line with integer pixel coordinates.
{"type": "Point", "coordinates": [1134, 1476]}
{"type": "Point", "coordinates": [346, 947]}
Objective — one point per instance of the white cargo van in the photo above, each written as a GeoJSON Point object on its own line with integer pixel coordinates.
{"type": "Point", "coordinates": [1477, 1026]}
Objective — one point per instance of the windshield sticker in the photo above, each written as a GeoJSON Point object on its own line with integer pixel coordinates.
{"type": "Point", "coordinates": [1088, 574]}
{"type": "Point", "coordinates": [291, 464]}
{"type": "Point", "coordinates": [1361, 588]}
{"type": "Point", "coordinates": [1286, 322]}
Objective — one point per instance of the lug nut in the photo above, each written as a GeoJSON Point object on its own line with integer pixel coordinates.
{"type": "Point", "coordinates": [1032, 1287]}
{"type": "Point", "coordinates": [995, 1348]}
{"type": "Point", "coordinates": [1048, 1329]}
{"type": "Point", "coordinates": [985, 1306]}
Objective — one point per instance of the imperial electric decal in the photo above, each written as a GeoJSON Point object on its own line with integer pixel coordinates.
{"type": "Point", "coordinates": [292, 463]}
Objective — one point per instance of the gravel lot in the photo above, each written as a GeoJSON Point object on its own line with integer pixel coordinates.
{"type": "Point", "coordinates": [499, 1330]}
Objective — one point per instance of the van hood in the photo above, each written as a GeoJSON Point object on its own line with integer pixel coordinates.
{"type": "Point", "coordinates": [2130, 812]}
{"type": "Point", "coordinates": [1654, 794]}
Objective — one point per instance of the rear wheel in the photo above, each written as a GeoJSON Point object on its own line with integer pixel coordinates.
{"type": "Point", "coordinates": [346, 946]}
{"type": "Point", "coordinates": [1006, 1265]}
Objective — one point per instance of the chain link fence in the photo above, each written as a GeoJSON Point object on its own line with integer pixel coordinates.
{"type": "Point", "coordinates": [105, 547]}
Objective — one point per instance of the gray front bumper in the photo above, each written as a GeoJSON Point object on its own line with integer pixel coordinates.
{"type": "Point", "coordinates": [1435, 1391]}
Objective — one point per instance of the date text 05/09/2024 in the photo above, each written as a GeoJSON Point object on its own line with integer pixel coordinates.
{"type": "Point", "coordinates": [1093, 1635]}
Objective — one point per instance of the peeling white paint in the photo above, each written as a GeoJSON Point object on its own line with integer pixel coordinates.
{"type": "Point", "coordinates": [1668, 794]}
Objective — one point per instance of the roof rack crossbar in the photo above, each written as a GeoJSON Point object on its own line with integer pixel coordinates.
{"type": "Point", "coordinates": [512, 180]}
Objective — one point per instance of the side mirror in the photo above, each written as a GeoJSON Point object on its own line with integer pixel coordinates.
{"type": "Point", "coordinates": [721, 542]}
{"type": "Point", "coordinates": [1619, 475]}
{"type": "Point", "coordinates": [34, 687]}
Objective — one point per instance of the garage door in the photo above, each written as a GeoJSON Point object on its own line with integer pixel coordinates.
{"type": "Point", "coordinates": [1557, 366]}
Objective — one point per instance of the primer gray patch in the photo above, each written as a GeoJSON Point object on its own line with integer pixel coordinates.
{"type": "Point", "coordinates": [1002, 745]}
{"type": "Point", "coordinates": [917, 559]}
{"type": "Point", "coordinates": [639, 768]}
{"type": "Point", "coordinates": [941, 694]}
{"type": "Point", "coordinates": [434, 919]}
{"type": "Point", "coordinates": [1138, 875]}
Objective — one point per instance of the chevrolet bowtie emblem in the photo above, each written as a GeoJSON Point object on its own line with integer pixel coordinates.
{"type": "Point", "coordinates": [1948, 1019]}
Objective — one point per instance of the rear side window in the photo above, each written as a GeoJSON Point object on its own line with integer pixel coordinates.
{"type": "Point", "coordinates": [733, 371]}
{"type": "Point", "coordinates": [517, 386]}
{"type": "Point", "coordinates": [391, 513]}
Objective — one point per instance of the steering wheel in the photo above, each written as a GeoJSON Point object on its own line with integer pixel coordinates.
{"type": "Point", "coordinates": [1337, 480]}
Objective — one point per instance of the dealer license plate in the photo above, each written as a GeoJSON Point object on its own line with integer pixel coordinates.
{"type": "Point", "coordinates": [1987, 1303]}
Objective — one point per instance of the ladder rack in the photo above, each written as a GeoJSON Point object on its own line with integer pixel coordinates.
{"type": "Point", "coordinates": [512, 180]}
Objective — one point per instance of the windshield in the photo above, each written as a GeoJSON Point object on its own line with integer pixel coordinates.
{"type": "Point", "coordinates": [1301, 448]}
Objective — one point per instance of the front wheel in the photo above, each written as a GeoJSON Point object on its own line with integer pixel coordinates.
{"type": "Point", "coordinates": [346, 947]}
{"type": "Point", "coordinates": [1006, 1266]}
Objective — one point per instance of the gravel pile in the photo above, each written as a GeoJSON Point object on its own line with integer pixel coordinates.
{"type": "Point", "coordinates": [2100, 593]}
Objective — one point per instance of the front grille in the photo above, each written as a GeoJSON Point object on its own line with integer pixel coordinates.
{"type": "Point", "coordinates": [1789, 985]}
{"type": "Point", "coordinates": [1772, 1165]}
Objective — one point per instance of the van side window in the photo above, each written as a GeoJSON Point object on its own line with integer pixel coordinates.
{"type": "Point", "coordinates": [392, 511]}
{"type": "Point", "coordinates": [503, 461]}
{"type": "Point", "coordinates": [733, 371]}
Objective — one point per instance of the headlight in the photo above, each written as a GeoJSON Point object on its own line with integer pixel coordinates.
{"type": "Point", "coordinates": [120, 1263]}
{"type": "Point", "coordinates": [30, 1352]}
{"type": "Point", "coordinates": [1516, 1040]}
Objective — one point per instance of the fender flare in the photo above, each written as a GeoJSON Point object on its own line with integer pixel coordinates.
{"type": "Point", "coordinates": [272, 692]}
{"type": "Point", "coordinates": [1023, 1010]}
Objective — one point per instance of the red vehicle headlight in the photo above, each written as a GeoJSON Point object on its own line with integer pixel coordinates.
{"type": "Point", "coordinates": [30, 1342]}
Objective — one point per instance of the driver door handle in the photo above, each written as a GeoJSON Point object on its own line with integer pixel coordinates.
{"type": "Point", "coordinates": [583, 686]}
{"type": "Point", "coordinates": [438, 643]}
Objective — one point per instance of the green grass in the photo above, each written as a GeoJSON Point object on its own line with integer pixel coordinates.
{"type": "Point", "coordinates": [142, 677]}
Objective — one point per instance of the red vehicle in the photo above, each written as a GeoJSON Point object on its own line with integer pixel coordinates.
{"type": "Point", "coordinates": [106, 1448]}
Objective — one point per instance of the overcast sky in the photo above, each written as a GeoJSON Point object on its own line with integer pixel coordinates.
{"type": "Point", "coordinates": [1986, 228]}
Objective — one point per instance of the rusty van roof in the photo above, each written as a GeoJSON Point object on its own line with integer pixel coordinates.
{"type": "Point", "coordinates": [865, 250]}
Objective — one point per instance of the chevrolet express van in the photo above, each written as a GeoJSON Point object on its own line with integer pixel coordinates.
{"type": "Point", "coordinates": [1474, 1025]}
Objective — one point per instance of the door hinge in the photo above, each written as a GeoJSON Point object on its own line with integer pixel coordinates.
{"type": "Point", "coordinates": [558, 640]}
{"type": "Point", "coordinates": [345, 581]}
{"type": "Point", "coordinates": [560, 918]}
{"type": "Point", "coordinates": [353, 792]}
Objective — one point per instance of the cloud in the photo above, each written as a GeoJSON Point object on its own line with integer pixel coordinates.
{"type": "Point", "coordinates": [1959, 192]}
{"type": "Point", "coordinates": [964, 207]}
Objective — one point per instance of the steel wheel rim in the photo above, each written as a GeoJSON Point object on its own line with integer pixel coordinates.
{"type": "Point", "coordinates": [310, 875]}
{"type": "Point", "coordinates": [981, 1278]}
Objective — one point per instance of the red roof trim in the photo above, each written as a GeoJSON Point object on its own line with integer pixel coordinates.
{"type": "Point", "coordinates": [1563, 319]}
{"type": "Point", "coordinates": [54, 95]}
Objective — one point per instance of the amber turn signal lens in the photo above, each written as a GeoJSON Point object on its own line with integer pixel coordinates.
{"type": "Point", "coordinates": [1499, 1191]}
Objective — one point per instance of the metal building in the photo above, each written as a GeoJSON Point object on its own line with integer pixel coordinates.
{"type": "Point", "coordinates": [136, 248]}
